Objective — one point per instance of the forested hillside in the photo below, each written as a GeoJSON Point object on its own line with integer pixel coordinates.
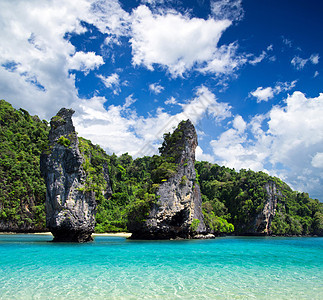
{"type": "Point", "coordinates": [239, 197]}
{"type": "Point", "coordinates": [22, 190]}
{"type": "Point", "coordinates": [230, 199]}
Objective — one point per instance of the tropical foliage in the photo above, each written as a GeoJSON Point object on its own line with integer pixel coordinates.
{"type": "Point", "coordinates": [22, 190]}
{"type": "Point", "coordinates": [231, 199]}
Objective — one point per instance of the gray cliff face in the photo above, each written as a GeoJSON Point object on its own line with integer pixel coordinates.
{"type": "Point", "coordinates": [263, 220]}
{"type": "Point", "coordinates": [179, 202]}
{"type": "Point", "coordinates": [70, 209]}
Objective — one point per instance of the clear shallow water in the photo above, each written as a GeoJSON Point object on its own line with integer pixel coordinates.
{"type": "Point", "coordinates": [116, 268]}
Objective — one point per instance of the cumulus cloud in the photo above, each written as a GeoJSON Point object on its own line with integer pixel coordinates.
{"type": "Point", "coordinates": [239, 124]}
{"type": "Point", "coordinates": [299, 63]}
{"type": "Point", "coordinates": [264, 94]}
{"type": "Point", "coordinates": [194, 42]}
{"type": "Point", "coordinates": [156, 88]}
{"type": "Point", "coordinates": [85, 61]}
{"type": "Point", "coordinates": [37, 56]}
{"type": "Point", "coordinates": [201, 156]}
{"type": "Point", "coordinates": [119, 129]}
{"type": "Point", "coordinates": [111, 127]}
{"type": "Point", "coordinates": [285, 142]}
{"type": "Point", "coordinates": [230, 150]}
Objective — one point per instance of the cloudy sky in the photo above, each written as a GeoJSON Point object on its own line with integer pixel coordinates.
{"type": "Point", "coordinates": [248, 73]}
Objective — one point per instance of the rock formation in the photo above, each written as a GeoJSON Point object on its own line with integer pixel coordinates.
{"type": "Point", "coordinates": [177, 212]}
{"type": "Point", "coordinates": [70, 207]}
{"type": "Point", "coordinates": [263, 220]}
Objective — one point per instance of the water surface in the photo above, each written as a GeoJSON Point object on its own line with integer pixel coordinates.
{"type": "Point", "coordinates": [31, 267]}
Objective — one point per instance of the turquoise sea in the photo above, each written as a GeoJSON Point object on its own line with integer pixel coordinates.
{"type": "Point", "coordinates": [31, 267]}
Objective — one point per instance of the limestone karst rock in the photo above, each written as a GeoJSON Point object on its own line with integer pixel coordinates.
{"type": "Point", "coordinates": [178, 210]}
{"type": "Point", "coordinates": [262, 223]}
{"type": "Point", "coordinates": [70, 206]}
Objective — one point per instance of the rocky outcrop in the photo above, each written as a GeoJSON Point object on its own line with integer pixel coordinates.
{"type": "Point", "coordinates": [262, 222]}
{"type": "Point", "coordinates": [178, 210]}
{"type": "Point", "coordinates": [70, 206]}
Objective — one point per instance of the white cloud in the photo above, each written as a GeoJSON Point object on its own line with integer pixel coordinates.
{"type": "Point", "coordinates": [201, 156]}
{"type": "Point", "coordinates": [291, 143]}
{"type": "Point", "coordinates": [152, 2]}
{"type": "Point", "coordinates": [153, 128]}
{"type": "Point", "coordinates": [316, 74]}
{"type": "Point", "coordinates": [129, 101]}
{"type": "Point", "coordinates": [284, 86]}
{"type": "Point", "coordinates": [85, 61]}
{"type": "Point", "coordinates": [227, 9]}
{"type": "Point", "coordinates": [194, 42]}
{"type": "Point", "coordinates": [230, 150]}
{"type": "Point", "coordinates": [111, 82]}
{"type": "Point", "coordinates": [317, 160]}
{"type": "Point", "coordinates": [239, 124]}
{"type": "Point", "coordinates": [260, 58]}
{"type": "Point", "coordinates": [109, 17]}
{"type": "Point", "coordinates": [224, 61]}
{"type": "Point", "coordinates": [171, 101]}
{"type": "Point", "coordinates": [111, 127]}
{"type": "Point", "coordinates": [314, 59]}
{"type": "Point", "coordinates": [156, 88]}
{"type": "Point", "coordinates": [33, 42]}
{"type": "Point", "coordinates": [264, 94]}
{"type": "Point", "coordinates": [205, 102]}
{"type": "Point", "coordinates": [119, 129]}
{"type": "Point", "coordinates": [299, 63]}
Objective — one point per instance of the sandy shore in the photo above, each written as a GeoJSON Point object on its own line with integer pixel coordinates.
{"type": "Point", "coordinates": [119, 234]}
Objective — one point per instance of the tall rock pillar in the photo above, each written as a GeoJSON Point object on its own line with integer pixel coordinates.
{"type": "Point", "coordinates": [178, 210]}
{"type": "Point", "coordinates": [70, 207]}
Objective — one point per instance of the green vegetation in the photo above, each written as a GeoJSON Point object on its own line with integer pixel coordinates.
{"type": "Point", "coordinates": [64, 141]}
{"type": "Point", "coordinates": [195, 224]}
{"type": "Point", "coordinates": [133, 185]}
{"type": "Point", "coordinates": [22, 190]}
{"type": "Point", "coordinates": [231, 200]}
{"type": "Point", "coordinates": [173, 144]}
{"type": "Point", "coordinates": [238, 197]}
{"type": "Point", "coordinates": [57, 121]}
{"type": "Point", "coordinates": [183, 180]}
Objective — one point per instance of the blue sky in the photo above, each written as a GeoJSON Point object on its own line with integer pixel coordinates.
{"type": "Point", "coordinates": [247, 73]}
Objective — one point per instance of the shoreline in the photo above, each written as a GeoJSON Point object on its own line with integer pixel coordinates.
{"type": "Point", "coordinates": [128, 234]}
{"type": "Point", "coordinates": [117, 234]}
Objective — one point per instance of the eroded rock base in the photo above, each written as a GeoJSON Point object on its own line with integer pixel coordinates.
{"type": "Point", "coordinates": [72, 236]}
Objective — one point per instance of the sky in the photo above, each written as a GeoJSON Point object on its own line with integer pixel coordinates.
{"type": "Point", "coordinates": [247, 73]}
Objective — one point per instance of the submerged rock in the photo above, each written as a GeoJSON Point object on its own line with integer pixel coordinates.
{"type": "Point", "coordinates": [70, 207]}
{"type": "Point", "coordinates": [178, 210]}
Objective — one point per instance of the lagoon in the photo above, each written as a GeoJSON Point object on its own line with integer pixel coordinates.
{"type": "Point", "coordinates": [32, 267]}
